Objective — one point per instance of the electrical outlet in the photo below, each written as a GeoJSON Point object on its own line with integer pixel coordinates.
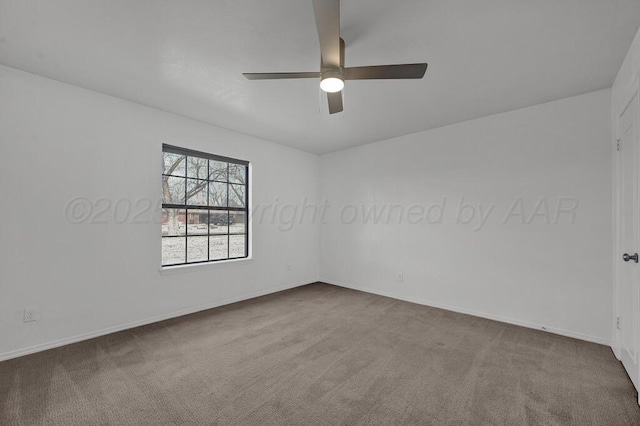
{"type": "Point", "coordinates": [30, 314]}
{"type": "Point", "coordinates": [400, 277]}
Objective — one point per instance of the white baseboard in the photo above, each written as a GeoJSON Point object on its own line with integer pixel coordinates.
{"type": "Point", "coordinates": [86, 336]}
{"type": "Point", "coordinates": [561, 332]}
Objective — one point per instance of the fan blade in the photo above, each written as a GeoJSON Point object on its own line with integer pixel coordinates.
{"type": "Point", "coordinates": [385, 72]}
{"type": "Point", "coordinates": [327, 14]}
{"type": "Point", "coordinates": [279, 75]}
{"type": "Point", "coordinates": [335, 102]}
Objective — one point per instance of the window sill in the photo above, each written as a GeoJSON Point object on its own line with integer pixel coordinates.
{"type": "Point", "coordinates": [180, 269]}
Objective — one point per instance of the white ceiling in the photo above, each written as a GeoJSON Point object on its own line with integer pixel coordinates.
{"type": "Point", "coordinates": [187, 57]}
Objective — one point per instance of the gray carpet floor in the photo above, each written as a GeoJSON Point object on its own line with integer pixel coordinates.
{"type": "Point", "coordinates": [321, 355]}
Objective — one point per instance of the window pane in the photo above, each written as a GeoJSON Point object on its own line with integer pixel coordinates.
{"type": "Point", "coordinates": [201, 228]}
{"type": "Point", "coordinates": [197, 167]}
{"type": "Point", "coordinates": [218, 247]}
{"type": "Point", "coordinates": [196, 192]}
{"type": "Point", "coordinates": [197, 221]}
{"type": "Point", "coordinates": [217, 194]}
{"type": "Point", "coordinates": [173, 222]}
{"type": "Point", "coordinates": [174, 164]}
{"type": "Point", "coordinates": [237, 173]}
{"type": "Point", "coordinates": [236, 195]}
{"type": "Point", "coordinates": [237, 223]}
{"type": "Point", "coordinates": [237, 245]}
{"type": "Point", "coordinates": [172, 190]}
{"type": "Point", "coordinates": [218, 222]}
{"type": "Point", "coordinates": [197, 249]}
{"type": "Point", "coordinates": [218, 171]}
{"type": "Point", "coordinates": [173, 250]}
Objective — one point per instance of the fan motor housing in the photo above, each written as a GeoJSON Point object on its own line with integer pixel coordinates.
{"type": "Point", "coordinates": [332, 73]}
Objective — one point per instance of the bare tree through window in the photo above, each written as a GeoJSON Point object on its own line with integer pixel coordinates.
{"type": "Point", "coordinates": [205, 208]}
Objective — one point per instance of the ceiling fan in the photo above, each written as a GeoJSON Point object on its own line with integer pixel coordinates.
{"type": "Point", "coordinates": [333, 73]}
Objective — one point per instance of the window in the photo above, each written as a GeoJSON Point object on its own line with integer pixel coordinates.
{"type": "Point", "coordinates": [204, 207]}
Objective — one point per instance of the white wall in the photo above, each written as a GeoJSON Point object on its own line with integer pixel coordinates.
{"type": "Point", "coordinates": [60, 142]}
{"type": "Point", "coordinates": [556, 276]}
{"type": "Point", "coordinates": [620, 96]}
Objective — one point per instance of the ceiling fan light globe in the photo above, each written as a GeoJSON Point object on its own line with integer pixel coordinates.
{"type": "Point", "coordinates": [331, 84]}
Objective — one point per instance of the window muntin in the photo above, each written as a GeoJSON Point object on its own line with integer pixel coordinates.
{"type": "Point", "coordinates": [204, 207]}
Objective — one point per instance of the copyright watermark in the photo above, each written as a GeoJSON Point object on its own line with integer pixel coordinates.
{"type": "Point", "coordinates": [104, 210]}
{"type": "Point", "coordinates": [287, 215]}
